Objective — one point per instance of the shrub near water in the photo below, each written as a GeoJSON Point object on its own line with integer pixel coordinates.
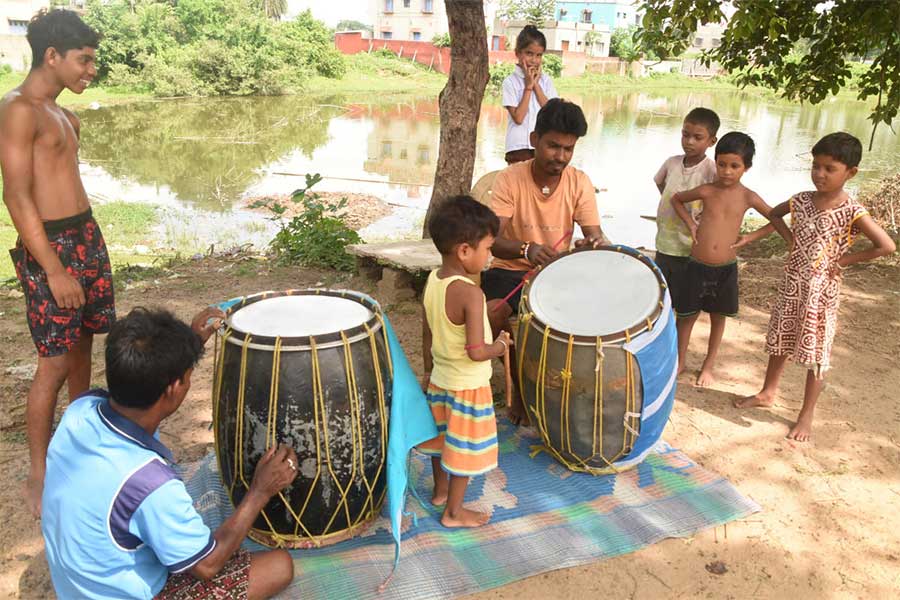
{"type": "Point", "coordinates": [208, 47]}
{"type": "Point", "coordinates": [314, 238]}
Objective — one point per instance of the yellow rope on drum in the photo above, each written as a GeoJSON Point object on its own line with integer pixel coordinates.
{"type": "Point", "coordinates": [382, 405]}
{"type": "Point", "coordinates": [238, 472]}
{"type": "Point", "coordinates": [566, 376]}
{"type": "Point", "coordinates": [273, 396]}
{"type": "Point", "coordinates": [598, 397]}
{"type": "Point", "coordinates": [525, 322]}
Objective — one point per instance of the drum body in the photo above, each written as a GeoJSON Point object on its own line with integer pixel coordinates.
{"type": "Point", "coordinates": [322, 386]}
{"type": "Point", "coordinates": [580, 380]}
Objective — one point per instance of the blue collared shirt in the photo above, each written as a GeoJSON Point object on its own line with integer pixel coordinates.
{"type": "Point", "coordinates": [116, 518]}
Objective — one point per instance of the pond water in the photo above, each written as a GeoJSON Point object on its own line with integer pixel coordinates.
{"type": "Point", "coordinates": [198, 159]}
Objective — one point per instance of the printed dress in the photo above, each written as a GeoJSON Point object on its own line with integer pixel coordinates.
{"type": "Point", "coordinates": [804, 318]}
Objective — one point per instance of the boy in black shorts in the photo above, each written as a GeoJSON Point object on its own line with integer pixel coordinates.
{"type": "Point", "coordinates": [60, 256]}
{"type": "Point", "coordinates": [711, 278]}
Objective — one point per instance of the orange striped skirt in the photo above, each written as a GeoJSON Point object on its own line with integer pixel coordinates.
{"type": "Point", "coordinates": [467, 430]}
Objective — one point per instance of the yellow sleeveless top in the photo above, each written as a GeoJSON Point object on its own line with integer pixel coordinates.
{"type": "Point", "coordinates": [453, 369]}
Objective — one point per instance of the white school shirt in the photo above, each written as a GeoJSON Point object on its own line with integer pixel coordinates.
{"type": "Point", "coordinates": [672, 235]}
{"type": "Point", "coordinates": [518, 136]}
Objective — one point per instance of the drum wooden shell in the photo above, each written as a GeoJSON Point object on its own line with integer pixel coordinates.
{"type": "Point", "coordinates": [326, 396]}
{"type": "Point", "coordinates": [583, 394]}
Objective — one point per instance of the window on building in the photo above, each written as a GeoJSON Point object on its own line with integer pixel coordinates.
{"type": "Point", "coordinates": [387, 35]}
{"type": "Point", "coordinates": [406, 3]}
{"type": "Point", "coordinates": [388, 6]}
{"type": "Point", "coordinates": [427, 6]}
{"type": "Point", "coordinates": [716, 42]}
{"type": "Point", "coordinates": [17, 27]}
{"type": "Point", "coordinates": [698, 42]}
{"type": "Point", "coordinates": [423, 155]}
{"type": "Point", "coordinates": [586, 16]}
{"type": "Point", "coordinates": [387, 149]}
{"type": "Point", "coordinates": [417, 36]}
{"type": "Point", "coordinates": [403, 154]}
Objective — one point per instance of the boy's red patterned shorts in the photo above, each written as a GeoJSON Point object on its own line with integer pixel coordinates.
{"type": "Point", "coordinates": [230, 583]}
{"type": "Point", "coordinates": [79, 244]}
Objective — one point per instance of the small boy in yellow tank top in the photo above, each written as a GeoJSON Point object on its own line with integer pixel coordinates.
{"type": "Point", "coordinates": [458, 349]}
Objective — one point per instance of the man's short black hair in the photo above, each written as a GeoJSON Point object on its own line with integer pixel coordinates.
{"type": "Point", "coordinates": [560, 116]}
{"type": "Point", "coordinates": [705, 118]}
{"type": "Point", "coordinates": [60, 29]}
{"type": "Point", "coordinates": [146, 352]}
{"type": "Point", "coordinates": [841, 146]}
{"type": "Point", "coordinates": [461, 220]}
{"type": "Point", "coordinates": [735, 142]}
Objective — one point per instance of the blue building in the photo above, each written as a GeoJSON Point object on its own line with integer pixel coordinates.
{"type": "Point", "coordinates": [612, 13]}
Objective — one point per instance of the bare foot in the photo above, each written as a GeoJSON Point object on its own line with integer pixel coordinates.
{"type": "Point", "coordinates": [34, 489]}
{"type": "Point", "coordinates": [802, 429]}
{"type": "Point", "coordinates": [464, 517]}
{"type": "Point", "coordinates": [517, 415]}
{"type": "Point", "coordinates": [681, 368]}
{"type": "Point", "coordinates": [705, 378]}
{"type": "Point", "coordinates": [757, 400]}
{"type": "Point", "coordinates": [439, 498]}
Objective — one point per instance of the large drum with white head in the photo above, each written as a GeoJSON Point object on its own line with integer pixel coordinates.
{"type": "Point", "coordinates": [597, 357]}
{"type": "Point", "coordinates": [310, 369]}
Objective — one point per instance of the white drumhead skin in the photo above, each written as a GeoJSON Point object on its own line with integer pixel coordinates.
{"type": "Point", "coordinates": [297, 316]}
{"type": "Point", "coordinates": [594, 293]}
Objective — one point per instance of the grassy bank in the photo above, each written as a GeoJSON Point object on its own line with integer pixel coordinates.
{"type": "Point", "coordinates": [380, 72]}
{"type": "Point", "coordinates": [128, 228]}
{"type": "Point", "coordinates": [98, 94]}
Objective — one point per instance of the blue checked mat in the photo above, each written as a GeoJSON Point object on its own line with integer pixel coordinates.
{"type": "Point", "coordinates": [544, 517]}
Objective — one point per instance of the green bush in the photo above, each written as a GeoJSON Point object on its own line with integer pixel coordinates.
{"type": "Point", "coordinates": [552, 65]}
{"type": "Point", "coordinates": [314, 238]}
{"type": "Point", "coordinates": [384, 53]}
{"type": "Point", "coordinates": [441, 40]}
{"type": "Point", "coordinates": [498, 73]}
{"type": "Point", "coordinates": [208, 47]}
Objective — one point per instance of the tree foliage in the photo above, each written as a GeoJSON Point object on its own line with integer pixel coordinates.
{"type": "Point", "coordinates": [804, 48]}
{"type": "Point", "coordinates": [534, 12]}
{"type": "Point", "coordinates": [622, 43]}
{"type": "Point", "coordinates": [208, 47]}
{"type": "Point", "coordinates": [352, 25]}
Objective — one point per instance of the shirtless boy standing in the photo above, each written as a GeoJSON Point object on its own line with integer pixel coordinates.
{"type": "Point", "coordinates": [60, 256]}
{"type": "Point", "coordinates": [711, 279]}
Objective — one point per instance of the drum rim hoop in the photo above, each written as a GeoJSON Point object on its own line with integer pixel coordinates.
{"type": "Point", "coordinates": [591, 340]}
{"type": "Point", "coordinates": [326, 340]}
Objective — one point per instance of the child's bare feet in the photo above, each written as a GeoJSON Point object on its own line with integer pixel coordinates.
{"type": "Point", "coordinates": [761, 399]}
{"type": "Point", "coordinates": [34, 489]}
{"type": "Point", "coordinates": [463, 517]}
{"type": "Point", "coordinates": [681, 367]}
{"type": "Point", "coordinates": [705, 378]}
{"type": "Point", "coordinates": [802, 429]}
{"type": "Point", "coordinates": [439, 498]}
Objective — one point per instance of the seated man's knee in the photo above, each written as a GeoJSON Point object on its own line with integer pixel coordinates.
{"type": "Point", "coordinates": [284, 566]}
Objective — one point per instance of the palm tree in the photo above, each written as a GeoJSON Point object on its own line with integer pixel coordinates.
{"type": "Point", "coordinates": [274, 9]}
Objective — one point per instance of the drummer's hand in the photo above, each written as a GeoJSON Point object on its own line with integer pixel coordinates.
{"type": "Point", "coordinates": [539, 254]}
{"type": "Point", "coordinates": [207, 321]}
{"type": "Point", "coordinates": [504, 340]}
{"type": "Point", "coordinates": [593, 242]}
{"type": "Point", "coordinates": [276, 470]}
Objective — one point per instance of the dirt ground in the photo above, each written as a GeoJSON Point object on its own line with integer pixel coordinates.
{"type": "Point", "coordinates": [828, 527]}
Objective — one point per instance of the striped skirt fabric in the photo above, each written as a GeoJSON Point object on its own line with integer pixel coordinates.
{"type": "Point", "coordinates": [467, 430]}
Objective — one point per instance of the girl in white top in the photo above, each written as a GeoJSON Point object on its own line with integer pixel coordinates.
{"type": "Point", "coordinates": [525, 91]}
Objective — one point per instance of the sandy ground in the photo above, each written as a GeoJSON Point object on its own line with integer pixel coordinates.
{"type": "Point", "coordinates": [828, 526]}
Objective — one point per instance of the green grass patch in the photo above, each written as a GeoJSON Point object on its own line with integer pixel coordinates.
{"type": "Point", "coordinates": [103, 95]}
{"type": "Point", "coordinates": [380, 72]}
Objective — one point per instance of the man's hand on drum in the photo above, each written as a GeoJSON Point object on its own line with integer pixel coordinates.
{"type": "Point", "coordinates": [539, 254]}
{"type": "Point", "coordinates": [207, 321]}
{"type": "Point", "coordinates": [593, 242]}
{"type": "Point", "coordinates": [276, 470]}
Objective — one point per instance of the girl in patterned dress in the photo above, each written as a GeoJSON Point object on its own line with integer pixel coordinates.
{"type": "Point", "coordinates": [824, 224]}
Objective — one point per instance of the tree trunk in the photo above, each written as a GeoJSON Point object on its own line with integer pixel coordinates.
{"type": "Point", "coordinates": [460, 102]}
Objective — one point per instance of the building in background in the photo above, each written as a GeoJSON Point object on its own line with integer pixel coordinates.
{"type": "Point", "coordinates": [14, 18]}
{"type": "Point", "coordinates": [563, 36]}
{"type": "Point", "coordinates": [708, 36]}
{"type": "Point", "coordinates": [609, 13]}
{"type": "Point", "coordinates": [418, 20]}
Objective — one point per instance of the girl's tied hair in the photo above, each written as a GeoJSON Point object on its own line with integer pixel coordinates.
{"type": "Point", "coordinates": [530, 35]}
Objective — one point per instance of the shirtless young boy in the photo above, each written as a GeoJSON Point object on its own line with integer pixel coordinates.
{"type": "Point", "coordinates": [711, 279]}
{"type": "Point", "coordinates": [60, 256]}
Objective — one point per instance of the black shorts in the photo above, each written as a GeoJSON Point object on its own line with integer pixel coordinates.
{"type": "Point", "coordinates": [674, 269]}
{"type": "Point", "coordinates": [79, 244]}
{"type": "Point", "coordinates": [710, 288]}
{"type": "Point", "coordinates": [497, 283]}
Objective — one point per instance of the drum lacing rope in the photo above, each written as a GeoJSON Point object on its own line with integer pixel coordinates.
{"type": "Point", "coordinates": [382, 405]}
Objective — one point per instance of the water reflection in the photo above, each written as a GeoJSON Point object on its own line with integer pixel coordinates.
{"type": "Point", "coordinates": [205, 155]}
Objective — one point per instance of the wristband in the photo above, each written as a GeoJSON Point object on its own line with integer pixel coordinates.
{"type": "Point", "coordinates": [525, 248]}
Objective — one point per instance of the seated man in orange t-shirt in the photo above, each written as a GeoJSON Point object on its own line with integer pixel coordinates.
{"type": "Point", "coordinates": [538, 202]}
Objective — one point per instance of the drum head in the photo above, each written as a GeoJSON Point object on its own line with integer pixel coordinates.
{"type": "Point", "coordinates": [595, 293]}
{"type": "Point", "coordinates": [299, 316]}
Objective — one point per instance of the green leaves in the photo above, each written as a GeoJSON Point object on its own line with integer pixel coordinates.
{"type": "Point", "coordinates": [806, 49]}
{"type": "Point", "coordinates": [316, 237]}
{"type": "Point", "coordinates": [210, 47]}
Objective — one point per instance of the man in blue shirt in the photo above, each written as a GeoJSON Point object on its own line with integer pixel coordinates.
{"type": "Point", "coordinates": [117, 521]}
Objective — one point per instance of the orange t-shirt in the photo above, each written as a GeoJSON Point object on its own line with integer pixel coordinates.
{"type": "Point", "coordinates": [538, 218]}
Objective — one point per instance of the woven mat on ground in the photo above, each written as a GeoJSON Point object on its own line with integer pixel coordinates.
{"type": "Point", "coordinates": [543, 517]}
